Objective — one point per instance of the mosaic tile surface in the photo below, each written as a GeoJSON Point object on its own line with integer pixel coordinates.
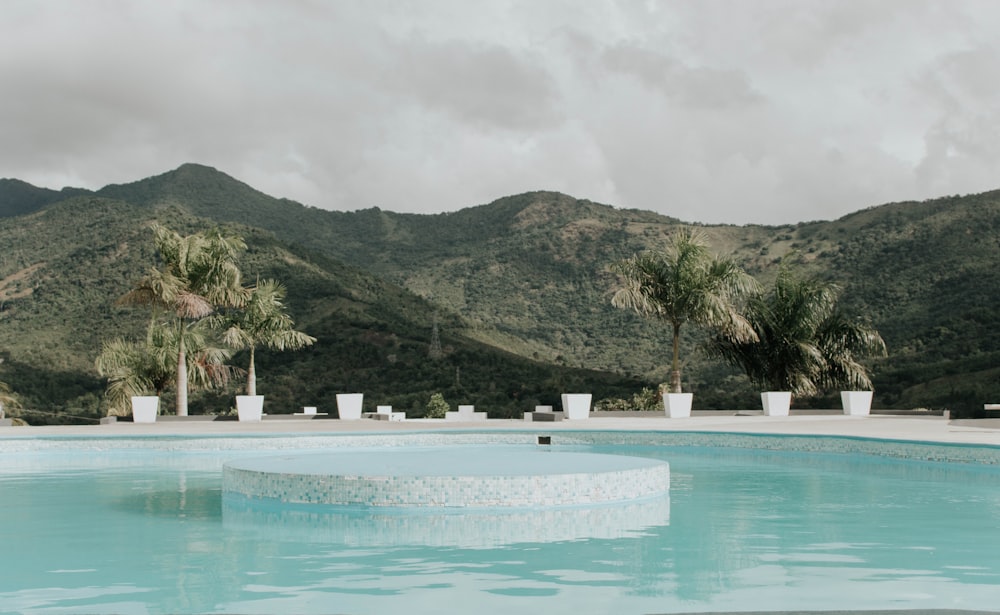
{"type": "Point", "coordinates": [447, 477]}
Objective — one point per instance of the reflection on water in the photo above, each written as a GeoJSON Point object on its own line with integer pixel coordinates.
{"type": "Point", "coordinates": [197, 502]}
{"type": "Point", "coordinates": [474, 529]}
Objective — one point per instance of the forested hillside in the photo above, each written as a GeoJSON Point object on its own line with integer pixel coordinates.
{"type": "Point", "coordinates": [528, 275]}
{"type": "Point", "coordinates": [68, 263]}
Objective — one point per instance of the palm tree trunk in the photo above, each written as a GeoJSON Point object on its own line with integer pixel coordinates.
{"type": "Point", "coordinates": [182, 377]}
{"type": "Point", "coordinates": [675, 366]}
{"type": "Point", "coordinates": [251, 376]}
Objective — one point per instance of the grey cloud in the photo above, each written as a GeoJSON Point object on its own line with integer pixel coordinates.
{"type": "Point", "coordinates": [712, 111]}
{"type": "Point", "coordinates": [483, 84]}
{"type": "Point", "coordinates": [703, 87]}
{"type": "Point", "coordinates": [962, 145]}
{"type": "Point", "coordinates": [965, 77]}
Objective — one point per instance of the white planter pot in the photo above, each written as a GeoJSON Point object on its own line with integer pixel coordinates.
{"type": "Point", "coordinates": [349, 406]}
{"type": "Point", "coordinates": [677, 405]}
{"type": "Point", "coordinates": [145, 408]}
{"type": "Point", "coordinates": [856, 403]}
{"type": "Point", "coordinates": [776, 403]}
{"type": "Point", "coordinates": [576, 405]}
{"type": "Point", "coordinates": [250, 407]}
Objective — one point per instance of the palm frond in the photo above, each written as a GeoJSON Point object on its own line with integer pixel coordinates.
{"type": "Point", "coordinates": [683, 283]}
{"type": "Point", "coordinates": [128, 369]}
{"type": "Point", "coordinates": [191, 305]}
{"type": "Point", "coordinates": [804, 345]}
{"type": "Point", "coordinates": [261, 322]}
{"type": "Point", "coordinates": [7, 398]}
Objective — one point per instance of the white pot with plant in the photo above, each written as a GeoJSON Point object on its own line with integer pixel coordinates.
{"type": "Point", "coordinates": [250, 407]}
{"type": "Point", "coordinates": [349, 406]}
{"type": "Point", "coordinates": [776, 403]}
{"type": "Point", "coordinates": [856, 403]}
{"type": "Point", "coordinates": [677, 405]}
{"type": "Point", "coordinates": [576, 405]}
{"type": "Point", "coordinates": [145, 408]}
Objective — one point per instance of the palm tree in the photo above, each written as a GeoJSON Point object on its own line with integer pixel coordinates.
{"type": "Point", "coordinates": [262, 322]}
{"type": "Point", "coordinates": [7, 398]}
{"type": "Point", "coordinates": [684, 283]}
{"type": "Point", "coordinates": [134, 368]}
{"type": "Point", "coordinates": [198, 273]}
{"type": "Point", "coordinates": [804, 343]}
{"type": "Point", "coordinates": [139, 368]}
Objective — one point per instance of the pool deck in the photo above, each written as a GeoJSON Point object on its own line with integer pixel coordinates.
{"type": "Point", "coordinates": [887, 427]}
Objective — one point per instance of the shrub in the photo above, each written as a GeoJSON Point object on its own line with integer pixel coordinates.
{"type": "Point", "coordinates": [437, 407]}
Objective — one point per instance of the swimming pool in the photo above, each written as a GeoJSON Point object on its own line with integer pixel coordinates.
{"type": "Point", "coordinates": [139, 525]}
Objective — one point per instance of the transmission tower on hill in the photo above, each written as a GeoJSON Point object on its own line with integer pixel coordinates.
{"type": "Point", "coordinates": [435, 350]}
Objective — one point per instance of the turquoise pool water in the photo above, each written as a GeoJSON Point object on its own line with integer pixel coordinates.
{"type": "Point", "coordinates": [147, 531]}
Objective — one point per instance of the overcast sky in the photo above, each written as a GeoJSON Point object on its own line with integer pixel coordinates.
{"type": "Point", "coordinates": [720, 112]}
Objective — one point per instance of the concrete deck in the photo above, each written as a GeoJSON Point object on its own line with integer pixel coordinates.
{"type": "Point", "coordinates": [888, 427]}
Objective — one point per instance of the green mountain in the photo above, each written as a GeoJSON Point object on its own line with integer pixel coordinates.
{"type": "Point", "coordinates": [18, 198]}
{"type": "Point", "coordinates": [71, 260]}
{"type": "Point", "coordinates": [527, 277]}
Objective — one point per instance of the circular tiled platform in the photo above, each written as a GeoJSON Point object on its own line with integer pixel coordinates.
{"type": "Point", "coordinates": [453, 476]}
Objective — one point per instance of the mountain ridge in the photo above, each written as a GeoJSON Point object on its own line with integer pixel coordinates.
{"type": "Point", "coordinates": [192, 181]}
{"type": "Point", "coordinates": [18, 197]}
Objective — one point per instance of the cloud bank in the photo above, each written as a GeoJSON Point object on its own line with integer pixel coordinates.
{"type": "Point", "coordinates": [759, 111]}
